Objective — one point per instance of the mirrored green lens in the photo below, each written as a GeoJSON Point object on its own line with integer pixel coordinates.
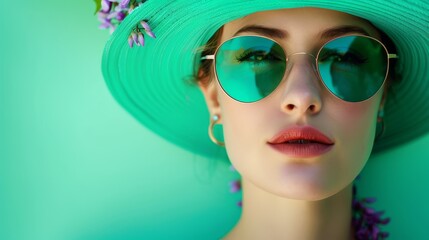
{"type": "Point", "coordinates": [353, 67]}
{"type": "Point", "coordinates": [249, 68]}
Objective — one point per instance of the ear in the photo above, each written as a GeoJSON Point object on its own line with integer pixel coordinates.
{"type": "Point", "coordinates": [210, 92]}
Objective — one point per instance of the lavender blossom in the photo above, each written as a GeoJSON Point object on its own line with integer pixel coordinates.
{"type": "Point", "coordinates": [235, 186]}
{"type": "Point", "coordinates": [106, 5]}
{"type": "Point", "coordinates": [369, 200]}
{"type": "Point", "coordinates": [130, 41]}
{"type": "Point", "coordinates": [145, 26]}
{"type": "Point", "coordinates": [134, 37]}
{"type": "Point", "coordinates": [366, 221]}
{"type": "Point", "coordinates": [113, 12]}
{"type": "Point", "coordinates": [124, 3]}
{"type": "Point", "coordinates": [147, 29]}
{"type": "Point", "coordinates": [120, 16]}
{"type": "Point", "coordinates": [151, 34]}
{"type": "Point", "coordinates": [140, 38]}
{"type": "Point", "coordinates": [105, 21]}
{"type": "Point", "coordinates": [103, 17]}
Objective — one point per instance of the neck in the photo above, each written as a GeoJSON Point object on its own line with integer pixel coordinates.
{"type": "Point", "coordinates": [267, 216]}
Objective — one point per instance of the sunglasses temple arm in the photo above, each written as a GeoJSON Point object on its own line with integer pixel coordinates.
{"type": "Point", "coordinates": [392, 55]}
{"type": "Point", "coordinates": [207, 57]}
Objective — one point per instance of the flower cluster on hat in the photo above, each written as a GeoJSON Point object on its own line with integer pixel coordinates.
{"type": "Point", "coordinates": [112, 12]}
{"type": "Point", "coordinates": [137, 37]}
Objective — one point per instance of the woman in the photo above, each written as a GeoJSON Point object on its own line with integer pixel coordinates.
{"type": "Point", "coordinates": [301, 88]}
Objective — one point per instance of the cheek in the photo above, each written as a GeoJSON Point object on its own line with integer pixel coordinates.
{"type": "Point", "coordinates": [239, 121]}
{"type": "Point", "coordinates": [244, 128]}
{"type": "Point", "coordinates": [356, 123]}
{"type": "Point", "coordinates": [354, 129]}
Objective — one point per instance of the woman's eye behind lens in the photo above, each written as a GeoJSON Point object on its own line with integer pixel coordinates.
{"type": "Point", "coordinates": [258, 56]}
{"type": "Point", "coordinates": [336, 56]}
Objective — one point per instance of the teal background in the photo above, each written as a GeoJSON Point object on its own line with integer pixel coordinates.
{"type": "Point", "coordinates": [76, 166]}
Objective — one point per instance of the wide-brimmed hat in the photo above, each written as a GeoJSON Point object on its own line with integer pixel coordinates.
{"type": "Point", "coordinates": [151, 82]}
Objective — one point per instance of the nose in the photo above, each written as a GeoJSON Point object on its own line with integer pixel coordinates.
{"type": "Point", "coordinates": [302, 89]}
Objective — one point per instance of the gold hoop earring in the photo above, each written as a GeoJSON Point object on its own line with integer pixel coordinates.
{"type": "Point", "coordinates": [213, 121]}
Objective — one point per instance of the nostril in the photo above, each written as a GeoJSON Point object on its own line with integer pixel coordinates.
{"type": "Point", "coordinates": [311, 108]}
{"type": "Point", "coordinates": [290, 107]}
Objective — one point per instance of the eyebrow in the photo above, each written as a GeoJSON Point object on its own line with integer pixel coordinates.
{"type": "Point", "coordinates": [266, 31]}
{"type": "Point", "coordinates": [279, 33]}
{"type": "Point", "coordinates": [342, 30]}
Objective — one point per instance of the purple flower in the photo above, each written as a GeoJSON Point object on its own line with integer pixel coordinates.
{"type": "Point", "coordinates": [106, 25]}
{"type": "Point", "coordinates": [121, 16]}
{"type": "Point", "coordinates": [235, 186]}
{"type": "Point", "coordinates": [105, 22]}
{"type": "Point", "coordinates": [130, 41]}
{"type": "Point", "coordinates": [369, 211]}
{"type": "Point", "coordinates": [140, 38]}
{"type": "Point", "coordinates": [145, 25]}
{"type": "Point", "coordinates": [106, 6]}
{"type": "Point", "coordinates": [370, 200]}
{"type": "Point", "coordinates": [151, 34]}
{"type": "Point", "coordinates": [134, 37]}
{"type": "Point", "coordinates": [147, 29]}
{"type": "Point", "coordinates": [111, 14]}
{"type": "Point", "coordinates": [124, 3]}
{"type": "Point", "coordinates": [366, 221]}
{"type": "Point", "coordinates": [375, 232]}
{"type": "Point", "coordinates": [385, 221]}
{"type": "Point", "coordinates": [103, 17]}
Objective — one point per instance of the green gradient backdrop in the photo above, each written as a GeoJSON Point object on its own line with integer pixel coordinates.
{"type": "Point", "coordinates": [74, 165]}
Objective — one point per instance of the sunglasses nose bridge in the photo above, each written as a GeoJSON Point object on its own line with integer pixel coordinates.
{"type": "Point", "coordinates": [305, 59]}
{"type": "Point", "coordinates": [299, 53]}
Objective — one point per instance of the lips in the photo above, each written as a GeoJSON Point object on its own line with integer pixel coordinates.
{"type": "Point", "coordinates": [303, 141]}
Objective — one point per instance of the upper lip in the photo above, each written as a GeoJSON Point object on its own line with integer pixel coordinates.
{"type": "Point", "coordinates": [295, 133]}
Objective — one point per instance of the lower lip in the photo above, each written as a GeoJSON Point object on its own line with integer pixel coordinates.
{"type": "Point", "coordinates": [306, 150]}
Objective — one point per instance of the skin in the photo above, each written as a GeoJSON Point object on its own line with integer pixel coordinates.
{"type": "Point", "coordinates": [296, 198]}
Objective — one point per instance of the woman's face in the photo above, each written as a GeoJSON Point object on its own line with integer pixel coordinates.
{"type": "Point", "coordinates": [301, 101]}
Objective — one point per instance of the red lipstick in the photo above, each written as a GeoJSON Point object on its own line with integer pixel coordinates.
{"type": "Point", "coordinates": [301, 142]}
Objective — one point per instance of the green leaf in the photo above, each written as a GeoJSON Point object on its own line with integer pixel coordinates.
{"type": "Point", "coordinates": [97, 6]}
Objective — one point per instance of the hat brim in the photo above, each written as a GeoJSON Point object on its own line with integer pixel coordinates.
{"type": "Point", "coordinates": [151, 82]}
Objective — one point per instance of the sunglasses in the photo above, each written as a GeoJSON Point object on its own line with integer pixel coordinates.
{"type": "Point", "coordinates": [353, 67]}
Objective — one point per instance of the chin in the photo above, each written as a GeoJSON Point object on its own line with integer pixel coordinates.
{"type": "Point", "coordinates": [308, 195]}
{"type": "Point", "coordinates": [305, 189]}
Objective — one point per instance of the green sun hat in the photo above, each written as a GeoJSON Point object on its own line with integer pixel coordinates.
{"type": "Point", "coordinates": [152, 81]}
